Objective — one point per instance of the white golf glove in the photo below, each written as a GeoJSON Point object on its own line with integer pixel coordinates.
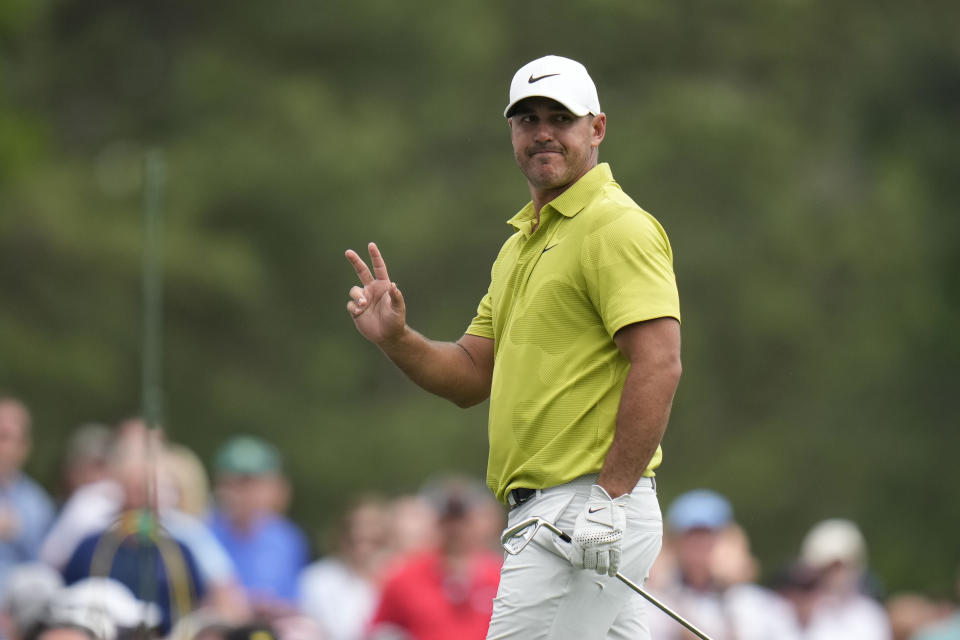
{"type": "Point", "coordinates": [598, 531]}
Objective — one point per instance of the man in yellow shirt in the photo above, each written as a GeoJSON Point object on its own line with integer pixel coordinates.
{"type": "Point", "coordinates": [577, 345]}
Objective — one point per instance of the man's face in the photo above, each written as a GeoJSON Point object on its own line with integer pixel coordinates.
{"type": "Point", "coordinates": [694, 550]}
{"type": "Point", "coordinates": [553, 147]}
{"type": "Point", "coordinates": [246, 497]}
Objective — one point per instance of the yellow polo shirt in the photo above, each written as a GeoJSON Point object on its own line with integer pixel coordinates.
{"type": "Point", "coordinates": [557, 295]}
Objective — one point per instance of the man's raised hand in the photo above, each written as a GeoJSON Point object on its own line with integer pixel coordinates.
{"type": "Point", "coordinates": [377, 307]}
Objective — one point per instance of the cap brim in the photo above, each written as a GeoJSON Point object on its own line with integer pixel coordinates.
{"type": "Point", "coordinates": [571, 105]}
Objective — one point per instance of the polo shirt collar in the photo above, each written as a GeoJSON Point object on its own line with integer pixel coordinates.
{"type": "Point", "coordinates": [570, 202]}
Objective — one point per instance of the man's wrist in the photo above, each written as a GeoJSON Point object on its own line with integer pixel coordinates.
{"type": "Point", "coordinates": [615, 489]}
{"type": "Point", "coordinates": [395, 345]}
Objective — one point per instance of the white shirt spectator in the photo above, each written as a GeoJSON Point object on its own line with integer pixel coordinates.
{"type": "Point", "coordinates": [740, 612]}
{"type": "Point", "coordinates": [341, 601]}
{"type": "Point", "coordinates": [855, 616]}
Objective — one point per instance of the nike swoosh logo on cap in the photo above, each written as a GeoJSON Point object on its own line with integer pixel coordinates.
{"type": "Point", "coordinates": [531, 79]}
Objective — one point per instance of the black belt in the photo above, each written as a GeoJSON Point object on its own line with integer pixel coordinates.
{"type": "Point", "coordinates": [517, 497]}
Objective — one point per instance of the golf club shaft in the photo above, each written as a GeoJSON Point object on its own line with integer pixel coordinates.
{"type": "Point", "coordinates": [563, 535]}
{"type": "Point", "coordinates": [687, 625]}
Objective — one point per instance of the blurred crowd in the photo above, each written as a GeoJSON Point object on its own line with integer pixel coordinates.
{"type": "Point", "coordinates": [141, 544]}
{"type": "Point", "coordinates": [707, 573]}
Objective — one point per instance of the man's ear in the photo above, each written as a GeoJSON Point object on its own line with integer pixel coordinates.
{"type": "Point", "coordinates": [599, 129]}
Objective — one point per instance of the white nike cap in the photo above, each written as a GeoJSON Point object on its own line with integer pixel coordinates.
{"type": "Point", "coordinates": [557, 78]}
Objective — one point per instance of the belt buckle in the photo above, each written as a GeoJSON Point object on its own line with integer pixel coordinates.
{"type": "Point", "coordinates": [517, 497]}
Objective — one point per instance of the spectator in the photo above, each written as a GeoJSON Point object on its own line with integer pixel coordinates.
{"type": "Point", "coordinates": [92, 506]}
{"type": "Point", "coordinates": [836, 550]}
{"type": "Point", "coordinates": [30, 589]}
{"type": "Point", "coordinates": [412, 525]}
{"type": "Point", "coordinates": [340, 591]}
{"type": "Point", "coordinates": [86, 457]}
{"type": "Point", "coordinates": [155, 565]}
{"type": "Point", "coordinates": [445, 592]}
{"type": "Point", "coordinates": [134, 453]}
{"type": "Point", "coordinates": [269, 550]}
{"type": "Point", "coordinates": [26, 510]}
{"type": "Point", "coordinates": [710, 583]}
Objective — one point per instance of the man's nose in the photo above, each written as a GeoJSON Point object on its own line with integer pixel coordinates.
{"type": "Point", "coordinates": [544, 132]}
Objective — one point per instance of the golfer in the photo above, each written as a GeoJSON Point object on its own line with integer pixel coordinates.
{"type": "Point", "coordinates": [577, 345]}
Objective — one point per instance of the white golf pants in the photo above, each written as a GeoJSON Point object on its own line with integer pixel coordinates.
{"type": "Point", "coordinates": [541, 594]}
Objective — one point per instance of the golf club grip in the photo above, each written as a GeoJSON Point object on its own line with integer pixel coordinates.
{"type": "Point", "coordinates": [563, 535]}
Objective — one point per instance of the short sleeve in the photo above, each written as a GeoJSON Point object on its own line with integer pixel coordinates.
{"type": "Point", "coordinates": [482, 324]}
{"type": "Point", "coordinates": [628, 268]}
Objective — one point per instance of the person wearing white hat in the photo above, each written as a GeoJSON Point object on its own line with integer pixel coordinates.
{"type": "Point", "coordinates": [577, 345]}
{"type": "Point", "coordinates": [836, 550]}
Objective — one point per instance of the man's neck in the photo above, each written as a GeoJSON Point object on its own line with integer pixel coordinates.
{"type": "Point", "coordinates": [541, 197]}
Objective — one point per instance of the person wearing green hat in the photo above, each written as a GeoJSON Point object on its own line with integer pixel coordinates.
{"type": "Point", "coordinates": [269, 550]}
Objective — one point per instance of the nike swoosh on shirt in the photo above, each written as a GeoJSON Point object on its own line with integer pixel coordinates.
{"type": "Point", "coordinates": [595, 509]}
{"type": "Point", "coordinates": [550, 247]}
{"type": "Point", "coordinates": [531, 79]}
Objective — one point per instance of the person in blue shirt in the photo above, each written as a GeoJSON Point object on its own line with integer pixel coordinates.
{"type": "Point", "coordinates": [26, 510]}
{"type": "Point", "coordinates": [268, 549]}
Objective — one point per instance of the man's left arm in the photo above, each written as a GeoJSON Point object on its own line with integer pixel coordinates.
{"type": "Point", "coordinates": [653, 349]}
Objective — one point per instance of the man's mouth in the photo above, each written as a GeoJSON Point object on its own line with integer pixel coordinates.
{"type": "Point", "coordinates": [535, 152]}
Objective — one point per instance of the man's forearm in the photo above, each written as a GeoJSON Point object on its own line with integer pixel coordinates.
{"type": "Point", "coordinates": [446, 369]}
{"type": "Point", "coordinates": [641, 422]}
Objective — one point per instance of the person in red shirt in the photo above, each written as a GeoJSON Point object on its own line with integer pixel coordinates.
{"type": "Point", "coordinates": [447, 591]}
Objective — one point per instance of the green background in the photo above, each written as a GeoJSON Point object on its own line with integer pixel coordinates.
{"type": "Point", "coordinates": [800, 154]}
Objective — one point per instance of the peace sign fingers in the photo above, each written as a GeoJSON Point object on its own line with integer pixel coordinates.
{"type": "Point", "coordinates": [376, 259]}
{"type": "Point", "coordinates": [363, 272]}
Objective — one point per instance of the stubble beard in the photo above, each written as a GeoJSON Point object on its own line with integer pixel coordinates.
{"type": "Point", "coordinates": [556, 172]}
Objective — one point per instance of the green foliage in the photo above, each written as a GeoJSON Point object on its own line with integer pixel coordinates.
{"type": "Point", "coordinates": [800, 155]}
